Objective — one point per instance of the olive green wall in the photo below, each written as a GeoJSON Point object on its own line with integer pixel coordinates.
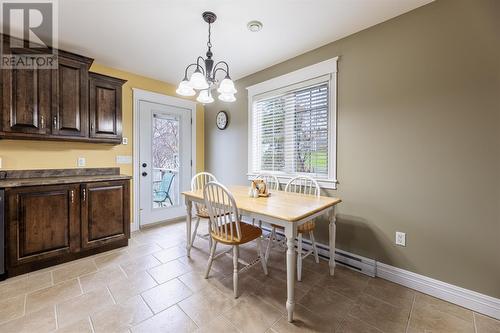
{"type": "Point", "coordinates": [418, 140]}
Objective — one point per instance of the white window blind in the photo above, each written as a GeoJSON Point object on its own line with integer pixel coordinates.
{"type": "Point", "coordinates": [290, 130]}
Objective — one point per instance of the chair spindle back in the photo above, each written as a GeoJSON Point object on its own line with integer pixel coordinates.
{"type": "Point", "coordinates": [303, 185]}
{"type": "Point", "coordinates": [271, 181]}
{"type": "Point", "coordinates": [223, 212]}
{"type": "Point", "coordinates": [198, 182]}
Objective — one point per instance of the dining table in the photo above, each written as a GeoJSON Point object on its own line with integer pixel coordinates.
{"type": "Point", "coordinates": [286, 209]}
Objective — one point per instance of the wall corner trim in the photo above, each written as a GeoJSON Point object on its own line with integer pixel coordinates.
{"type": "Point", "coordinates": [469, 299]}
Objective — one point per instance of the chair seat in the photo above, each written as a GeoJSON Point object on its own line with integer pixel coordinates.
{"type": "Point", "coordinates": [248, 232]}
{"type": "Point", "coordinates": [303, 228]}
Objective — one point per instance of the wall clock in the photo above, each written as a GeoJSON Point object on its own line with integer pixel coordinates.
{"type": "Point", "coordinates": [222, 120]}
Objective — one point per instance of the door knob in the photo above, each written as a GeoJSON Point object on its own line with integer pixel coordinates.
{"type": "Point", "coordinates": [144, 165]}
{"type": "Point", "coordinates": [144, 174]}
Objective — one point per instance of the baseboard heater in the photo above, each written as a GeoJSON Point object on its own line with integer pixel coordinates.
{"type": "Point", "coordinates": [349, 260]}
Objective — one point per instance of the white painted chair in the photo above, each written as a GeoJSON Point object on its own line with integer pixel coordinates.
{"type": "Point", "coordinates": [271, 181]}
{"type": "Point", "coordinates": [308, 186]}
{"type": "Point", "coordinates": [227, 228]}
{"type": "Point", "coordinates": [197, 183]}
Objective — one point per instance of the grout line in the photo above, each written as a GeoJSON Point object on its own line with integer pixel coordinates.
{"type": "Point", "coordinates": [111, 294]}
{"type": "Point", "coordinates": [80, 284]}
{"type": "Point", "coordinates": [147, 304]}
{"type": "Point", "coordinates": [411, 312]}
{"type": "Point", "coordinates": [91, 324]}
{"type": "Point", "coordinates": [57, 319]}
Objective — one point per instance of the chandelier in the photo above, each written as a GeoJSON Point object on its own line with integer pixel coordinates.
{"type": "Point", "coordinates": [203, 77]}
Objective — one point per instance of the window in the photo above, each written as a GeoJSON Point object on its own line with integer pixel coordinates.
{"type": "Point", "coordinates": [292, 125]}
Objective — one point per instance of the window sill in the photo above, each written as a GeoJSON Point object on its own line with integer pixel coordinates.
{"type": "Point", "coordinates": [327, 184]}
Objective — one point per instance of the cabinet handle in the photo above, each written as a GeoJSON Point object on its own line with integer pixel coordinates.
{"type": "Point", "coordinates": [84, 194]}
{"type": "Point", "coordinates": [72, 196]}
{"type": "Point", "coordinates": [55, 121]}
{"type": "Point", "coordinates": [92, 126]}
{"type": "Point", "coordinates": [42, 121]}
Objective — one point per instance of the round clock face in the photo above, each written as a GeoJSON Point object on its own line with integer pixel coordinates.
{"type": "Point", "coordinates": [221, 120]}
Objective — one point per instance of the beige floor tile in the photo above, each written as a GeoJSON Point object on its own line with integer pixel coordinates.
{"type": "Point", "coordinates": [206, 304]}
{"type": "Point", "coordinates": [346, 282]}
{"type": "Point", "coordinates": [101, 278]}
{"type": "Point", "coordinates": [111, 259]}
{"type": "Point", "coordinates": [40, 321]}
{"type": "Point", "coordinates": [165, 295]}
{"type": "Point", "coordinates": [384, 316]}
{"type": "Point", "coordinates": [354, 325]}
{"type": "Point", "coordinates": [121, 317]}
{"type": "Point", "coordinates": [431, 314]}
{"type": "Point", "coordinates": [274, 292]}
{"type": "Point", "coordinates": [252, 315]}
{"type": "Point", "coordinates": [12, 308]}
{"type": "Point", "coordinates": [168, 271]}
{"type": "Point", "coordinates": [170, 254]}
{"type": "Point", "coordinates": [218, 325]}
{"type": "Point", "coordinates": [52, 295]}
{"type": "Point", "coordinates": [170, 320]}
{"type": "Point", "coordinates": [327, 304]}
{"type": "Point", "coordinates": [246, 285]}
{"type": "Point", "coordinates": [143, 250]}
{"type": "Point", "coordinates": [195, 280]}
{"type": "Point", "coordinates": [82, 306]}
{"type": "Point", "coordinates": [139, 264]}
{"type": "Point", "coordinates": [486, 324]}
{"type": "Point", "coordinates": [303, 321]}
{"type": "Point", "coordinates": [197, 262]}
{"type": "Point", "coordinates": [72, 270]}
{"type": "Point", "coordinates": [390, 292]}
{"type": "Point", "coordinates": [81, 326]}
{"type": "Point", "coordinates": [134, 285]}
{"type": "Point", "coordinates": [25, 283]}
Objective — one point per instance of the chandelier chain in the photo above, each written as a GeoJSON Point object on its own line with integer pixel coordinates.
{"type": "Point", "coordinates": [209, 43]}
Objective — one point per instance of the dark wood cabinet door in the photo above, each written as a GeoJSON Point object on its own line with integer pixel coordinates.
{"type": "Point", "coordinates": [105, 107]}
{"type": "Point", "coordinates": [27, 100]}
{"type": "Point", "coordinates": [71, 112]}
{"type": "Point", "coordinates": [43, 223]}
{"type": "Point", "coordinates": [105, 213]}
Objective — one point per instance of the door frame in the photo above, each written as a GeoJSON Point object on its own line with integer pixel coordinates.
{"type": "Point", "coordinates": [153, 97]}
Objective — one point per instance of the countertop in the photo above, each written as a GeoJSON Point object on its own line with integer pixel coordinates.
{"type": "Point", "coordinates": [17, 178]}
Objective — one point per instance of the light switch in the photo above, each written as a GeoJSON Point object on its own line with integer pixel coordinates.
{"type": "Point", "coordinates": [81, 162]}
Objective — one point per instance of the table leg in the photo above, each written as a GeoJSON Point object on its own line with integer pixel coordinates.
{"type": "Point", "coordinates": [290, 270]}
{"type": "Point", "coordinates": [333, 231]}
{"type": "Point", "coordinates": [189, 208]}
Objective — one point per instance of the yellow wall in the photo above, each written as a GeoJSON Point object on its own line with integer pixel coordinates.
{"type": "Point", "coordinates": [21, 154]}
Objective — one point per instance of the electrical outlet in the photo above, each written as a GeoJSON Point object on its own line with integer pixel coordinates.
{"type": "Point", "coordinates": [400, 238]}
{"type": "Point", "coordinates": [81, 162]}
{"type": "Point", "coordinates": [125, 141]}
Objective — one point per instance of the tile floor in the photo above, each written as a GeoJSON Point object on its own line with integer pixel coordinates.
{"type": "Point", "coordinates": [151, 286]}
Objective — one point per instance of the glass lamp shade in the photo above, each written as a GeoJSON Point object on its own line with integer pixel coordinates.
{"type": "Point", "coordinates": [198, 81]}
{"type": "Point", "coordinates": [185, 89]}
{"type": "Point", "coordinates": [227, 87]}
{"type": "Point", "coordinates": [227, 97]}
{"type": "Point", "coordinates": [205, 97]}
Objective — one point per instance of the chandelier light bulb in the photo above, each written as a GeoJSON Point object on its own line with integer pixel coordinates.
{"type": "Point", "coordinates": [227, 86]}
{"type": "Point", "coordinates": [205, 97]}
{"type": "Point", "coordinates": [185, 89]}
{"type": "Point", "coordinates": [227, 98]}
{"type": "Point", "coordinates": [198, 81]}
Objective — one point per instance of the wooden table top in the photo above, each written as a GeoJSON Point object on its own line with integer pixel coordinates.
{"type": "Point", "coordinates": [281, 205]}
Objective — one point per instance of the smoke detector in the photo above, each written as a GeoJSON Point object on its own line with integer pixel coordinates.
{"type": "Point", "coordinates": [254, 26]}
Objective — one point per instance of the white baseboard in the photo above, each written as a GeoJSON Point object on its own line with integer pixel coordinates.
{"type": "Point", "coordinates": [469, 299]}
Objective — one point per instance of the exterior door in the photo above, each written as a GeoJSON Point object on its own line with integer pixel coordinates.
{"type": "Point", "coordinates": [165, 159]}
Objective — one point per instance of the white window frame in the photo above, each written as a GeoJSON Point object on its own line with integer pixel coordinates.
{"type": "Point", "coordinates": [327, 67]}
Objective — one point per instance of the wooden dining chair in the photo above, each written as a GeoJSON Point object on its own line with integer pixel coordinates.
{"type": "Point", "coordinates": [308, 186]}
{"type": "Point", "coordinates": [197, 183]}
{"type": "Point", "coordinates": [227, 228]}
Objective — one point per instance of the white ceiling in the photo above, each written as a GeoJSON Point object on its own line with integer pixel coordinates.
{"type": "Point", "coordinates": [158, 38]}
